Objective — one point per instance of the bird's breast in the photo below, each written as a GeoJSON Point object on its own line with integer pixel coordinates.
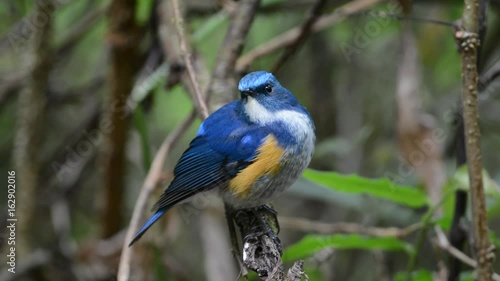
{"type": "Point", "coordinates": [267, 162]}
{"type": "Point", "coordinates": [275, 169]}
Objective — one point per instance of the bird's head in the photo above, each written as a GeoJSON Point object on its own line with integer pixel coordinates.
{"type": "Point", "coordinates": [261, 89]}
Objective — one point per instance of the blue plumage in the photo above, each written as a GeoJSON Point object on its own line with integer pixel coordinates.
{"type": "Point", "coordinates": [148, 224]}
{"type": "Point", "coordinates": [228, 142]}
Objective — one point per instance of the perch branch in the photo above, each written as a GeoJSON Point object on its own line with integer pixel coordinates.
{"type": "Point", "coordinates": [261, 249]}
{"type": "Point", "coordinates": [172, 53]}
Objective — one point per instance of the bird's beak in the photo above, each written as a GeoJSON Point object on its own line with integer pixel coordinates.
{"type": "Point", "coordinates": [247, 93]}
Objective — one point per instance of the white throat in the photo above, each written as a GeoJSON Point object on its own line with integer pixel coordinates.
{"type": "Point", "coordinates": [297, 123]}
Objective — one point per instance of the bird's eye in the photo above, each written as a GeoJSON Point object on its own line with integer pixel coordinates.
{"type": "Point", "coordinates": [268, 88]}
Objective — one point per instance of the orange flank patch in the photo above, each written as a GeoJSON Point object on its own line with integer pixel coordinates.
{"type": "Point", "coordinates": [267, 161]}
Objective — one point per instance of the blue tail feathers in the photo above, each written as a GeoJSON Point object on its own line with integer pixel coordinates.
{"type": "Point", "coordinates": [148, 224]}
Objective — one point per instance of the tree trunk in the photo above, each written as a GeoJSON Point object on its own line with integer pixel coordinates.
{"type": "Point", "coordinates": [124, 38]}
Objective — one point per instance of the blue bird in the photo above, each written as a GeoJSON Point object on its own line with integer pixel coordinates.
{"type": "Point", "coordinates": [251, 149]}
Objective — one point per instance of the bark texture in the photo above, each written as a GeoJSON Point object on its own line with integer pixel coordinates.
{"type": "Point", "coordinates": [468, 40]}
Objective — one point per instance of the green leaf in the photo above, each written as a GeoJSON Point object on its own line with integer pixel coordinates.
{"type": "Point", "coordinates": [395, 213]}
{"type": "Point", "coordinates": [381, 188]}
{"type": "Point", "coordinates": [312, 244]}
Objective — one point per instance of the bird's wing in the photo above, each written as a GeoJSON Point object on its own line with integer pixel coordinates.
{"type": "Point", "coordinates": [200, 168]}
{"type": "Point", "coordinates": [221, 149]}
{"type": "Point", "coordinates": [224, 145]}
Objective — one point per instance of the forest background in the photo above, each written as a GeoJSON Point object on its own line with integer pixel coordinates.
{"type": "Point", "coordinates": [98, 101]}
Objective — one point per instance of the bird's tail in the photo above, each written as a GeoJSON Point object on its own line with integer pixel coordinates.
{"type": "Point", "coordinates": [148, 224]}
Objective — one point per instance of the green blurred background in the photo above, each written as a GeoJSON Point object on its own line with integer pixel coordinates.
{"type": "Point", "coordinates": [353, 98]}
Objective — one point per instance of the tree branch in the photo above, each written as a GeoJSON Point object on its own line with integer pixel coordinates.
{"type": "Point", "coordinates": [125, 60]}
{"type": "Point", "coordinates": [305, 30]}
{"type": "Point", "coordinates": [223, 83]}
{"type": "Point", "coordinates": [444, 244]}
{"type": "Point", "coordinates": [468, 42]}
{"type": "Point", "coordinates": [198, 95]}
{"type": "Point", "coordinates": [458, 234]}
{"type": "Point", "coordinates": [289, 37]}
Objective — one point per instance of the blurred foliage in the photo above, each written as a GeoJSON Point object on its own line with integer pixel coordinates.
{"type": "Point", "coordinates": [365, 83]}
{"type": "Point", "coordinates": [313, 243]}
{"type": "Point", "coordinates": [382, 188]}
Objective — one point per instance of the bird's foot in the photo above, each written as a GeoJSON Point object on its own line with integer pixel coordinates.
{"type": "Point", "coordinates": [267, 225]}
{"type": "Point", "coordinates": [271, 217]}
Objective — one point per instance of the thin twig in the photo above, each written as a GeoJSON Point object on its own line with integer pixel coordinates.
{"type": "Point", "coordinates": [223, 83]}
{"type": "Point", "coordinates": [468, 40]}
{"type": "Point", "coordinates": [351, 228]}
{"type": "Point", "coordinates": [426, 224]}
{"type": "Point", "coordinates": [409, 18]}
{"type": "Point", "coordinates": [198, 95]}
{"type": "Point", "coordinates": [287, 38]}
{"type": "Point", "coordinates": [151, 181]}
{"type": "Point", "coordinates": [305, 30]}
{"type": "Point", "coordinates": [443, 243]}
{"type": "Point", "coordinates": [235, 247]}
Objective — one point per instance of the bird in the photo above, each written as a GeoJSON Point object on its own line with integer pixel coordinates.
{"type": "Point", "coordinates": [250, 150]}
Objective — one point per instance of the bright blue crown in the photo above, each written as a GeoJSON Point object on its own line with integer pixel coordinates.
{"type": "Point", "coordinates": [256, 79]}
